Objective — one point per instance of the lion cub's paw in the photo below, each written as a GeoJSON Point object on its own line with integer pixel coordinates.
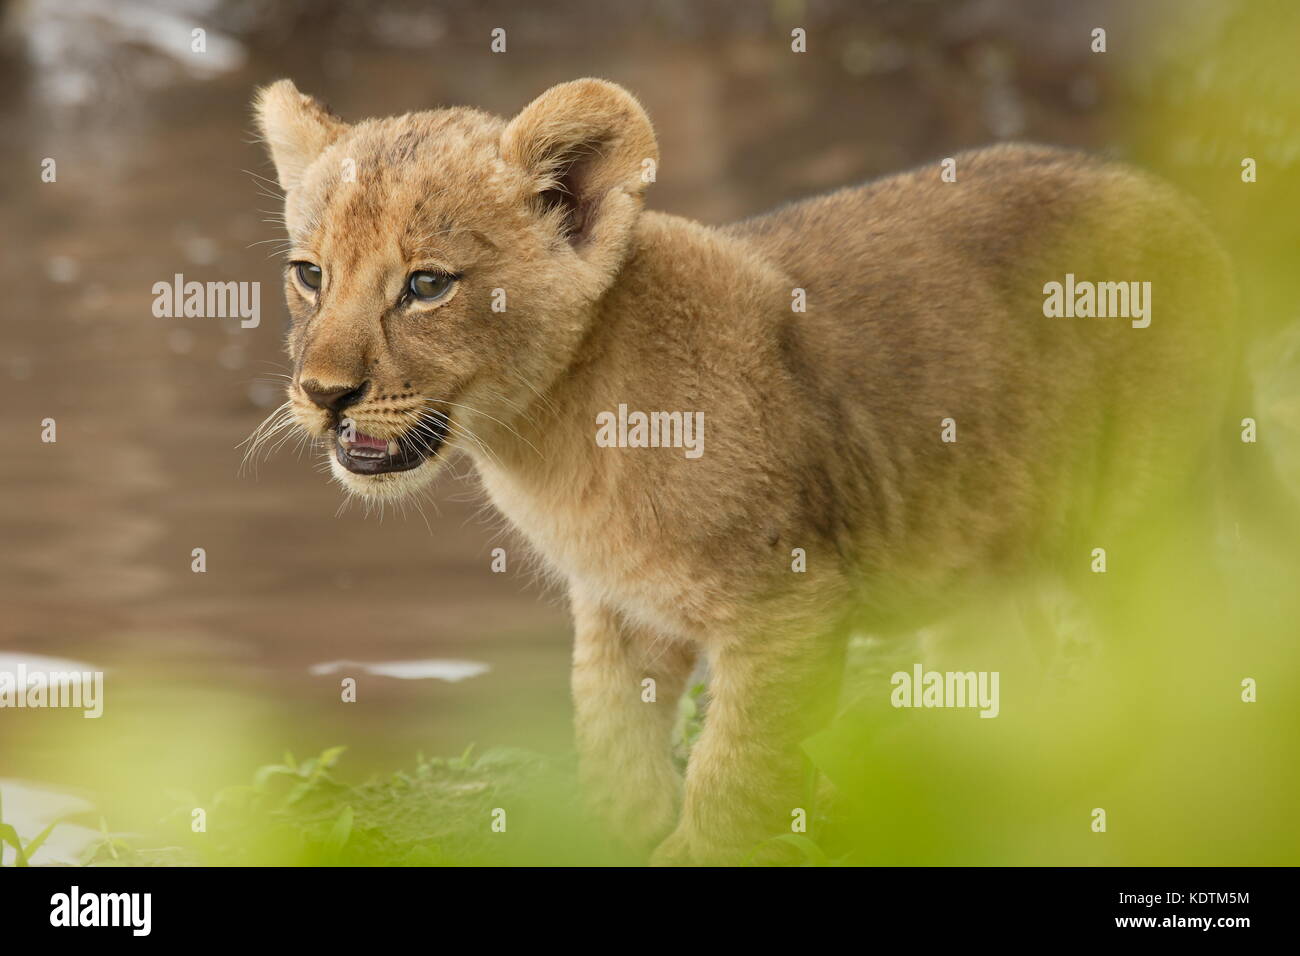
{"type": "Point", "coordinates": [636, 818]}
{"type": "Point", "coordinates": [687, 847]}
{"type": "Point", "coordinates": [677, 850]}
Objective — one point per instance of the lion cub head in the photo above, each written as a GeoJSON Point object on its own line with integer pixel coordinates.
{"type": "Point", "coordinates": [443, 266]}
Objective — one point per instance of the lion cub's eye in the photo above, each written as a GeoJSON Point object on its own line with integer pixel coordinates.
{"type": "Point", "coordinates": [309, 275]}
{"type": "Point", "coordinates": [429, 286]}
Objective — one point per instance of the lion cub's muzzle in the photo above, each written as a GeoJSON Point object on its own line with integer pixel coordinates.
{"type": "Point", "coordinates": [364, 454]}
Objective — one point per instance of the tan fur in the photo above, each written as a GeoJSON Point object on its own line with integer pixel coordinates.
{"type": "Point", "coordinates": [822, 428]}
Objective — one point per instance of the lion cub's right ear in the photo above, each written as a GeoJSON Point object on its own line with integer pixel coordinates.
{"type": "Point", "coordinates": [295, 127]}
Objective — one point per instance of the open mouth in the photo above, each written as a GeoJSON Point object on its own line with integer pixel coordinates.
{"type": "Point", "coordinates": [364, 454]}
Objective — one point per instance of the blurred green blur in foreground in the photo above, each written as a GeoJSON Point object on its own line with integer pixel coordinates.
{"type": "Point", "coordinates": [1154, 730]}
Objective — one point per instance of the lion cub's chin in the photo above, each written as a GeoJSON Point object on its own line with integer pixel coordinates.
{"type": "Point", "coordinates": [386, 487]}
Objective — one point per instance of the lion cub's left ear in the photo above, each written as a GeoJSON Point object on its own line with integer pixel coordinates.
{"type": "Point", "coordinates": [590, 151]}
{"type": "Point", "coordinates": [295, 127]}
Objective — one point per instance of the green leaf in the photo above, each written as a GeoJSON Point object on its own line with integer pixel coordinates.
{"type": "Point", "coordinates": [339, 833]}
{"type": "Point", "coordinates": [462, 762]}
{"type": "Point", "coordinates": [9, 835]}
{"type": "Point", "coordinates": [108, 837]}
{"type": "Point", "coordinates": [264, 774]}
{"type": "Point", "coordinates": [297, 793]}
{"type": "Point", "coordinates": [41, 837]}
{"type": "Point", "coordinates": [330, 756]}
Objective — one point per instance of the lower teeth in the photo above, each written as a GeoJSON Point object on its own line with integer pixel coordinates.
{"type": "Point", "coordinates": [393, 450]}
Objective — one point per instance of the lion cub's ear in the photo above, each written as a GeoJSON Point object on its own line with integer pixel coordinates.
{"type": "Point", "coordinates": [589, 150]}
{"type": "Point", "coordinates": [295, 127]}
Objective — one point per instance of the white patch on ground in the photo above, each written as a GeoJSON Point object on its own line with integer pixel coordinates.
{"type": "Point", "coordinates": [30, 808]}
{"type": "Point", "coordinates": [430, 669]}
{"type": "Point", "coordinates": [69, 672]}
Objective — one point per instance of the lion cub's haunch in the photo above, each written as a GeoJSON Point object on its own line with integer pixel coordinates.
{"type": "Point", "coordinates": [875, 380]}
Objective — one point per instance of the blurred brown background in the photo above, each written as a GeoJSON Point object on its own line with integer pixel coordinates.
{"type": "Point", "coordinates": [155, 156]}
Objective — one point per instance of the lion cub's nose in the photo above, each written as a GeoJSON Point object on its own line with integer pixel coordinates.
{"type": "Point", "coordinates": [336, 398]}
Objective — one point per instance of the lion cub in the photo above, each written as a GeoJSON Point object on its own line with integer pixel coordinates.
{"type": "Point", "coordinates": [738, 442]}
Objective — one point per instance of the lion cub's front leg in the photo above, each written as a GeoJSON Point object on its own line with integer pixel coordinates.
{"type": "Point", "coordinates": [624, 740]}
{"type": "Point", "coordinates": [746, 772]}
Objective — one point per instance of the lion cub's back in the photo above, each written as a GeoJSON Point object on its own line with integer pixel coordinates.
{"type": "Point", "coordinates": [1012, 210]}
{"type": "Point", "coordinates": [916, 272]}
{"type": "Point", "coordinates": [925, 301]}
